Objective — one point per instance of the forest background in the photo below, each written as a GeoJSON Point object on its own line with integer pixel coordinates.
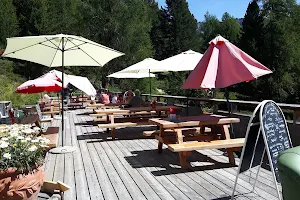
{"type": "Point", "coordinates": [139, 28]}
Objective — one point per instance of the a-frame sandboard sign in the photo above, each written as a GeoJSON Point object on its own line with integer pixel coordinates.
{"type": "Point", "coordinates": [267, 133]}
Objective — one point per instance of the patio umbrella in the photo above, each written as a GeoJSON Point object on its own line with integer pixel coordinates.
{"type": "Point", "coordinates": [223, 64]}
{"type": "Point", "coordinates": [142, 67]}
{"type": "Point", "coordinates": [39, 85]}
{"type": "Point", "coordinates": [120, 74]}
{"type": "Point", "coordinates": [59, 51]}
{"type": "Point", "coordinates": [57, 75]}
{"type": "Point", "coordinates": [185, 61]}
{"type": "Point", "coordinates": [80, 82]}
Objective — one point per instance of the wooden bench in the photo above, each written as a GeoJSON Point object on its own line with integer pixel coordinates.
{"type": "Point", "coordinates": [75, 105]}
{"type": "Point", "coordinates": [184, 149]}
{"type": "Point", "coordinates": [113, 126]}
{"type": "Point", "coordinates": [215, 144]}
{"type": "Point", "coordinates": [170, 131]}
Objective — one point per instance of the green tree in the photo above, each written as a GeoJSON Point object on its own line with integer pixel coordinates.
{"type": "Point", "coordinates": [279, 38]}
{"type": "Point", "coordinates": [9, 26]}
{"type": "Point", "coordinates": [230, 28]}
{"type": "Point", "coordinates": [252, 33]}
{"type": "Point", "coordinates": [184, 27]}
{"type": "Point", "coordinates": [251, 42]}
{"type": "Point", "coordinates": [210, 28]}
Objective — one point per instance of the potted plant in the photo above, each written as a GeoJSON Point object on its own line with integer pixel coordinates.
{"type": "Point", "coordinates": [21, 157]}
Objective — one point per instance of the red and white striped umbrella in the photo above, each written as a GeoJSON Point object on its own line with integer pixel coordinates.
{"type": "Point", "coordinates": [39, 85]}
{"type": "Point", "coordinates": [223, 64]}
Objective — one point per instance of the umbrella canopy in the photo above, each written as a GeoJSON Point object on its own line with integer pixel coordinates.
{"type": "Point", "coordinates": [144, 66]}
{"type": "Point", "coordinates": [83, 84]}
{"type": "Point", "coordinates": [59, 51]}
{"type": "Point", "coordinates": [39, 85]}
{"type": "Point", "coordinates": [185, 61]}
{"type": "Point", "coordinates": [121, 74]}
{"type": "Point", "coordinates": [57, 75]}
{"type": "Point", "coordinates": [223, 64]}
{"type": "Point", "coordinates": [48, 50]}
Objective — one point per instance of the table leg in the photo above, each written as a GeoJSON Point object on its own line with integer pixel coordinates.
{"type": "Point", "coordinates": [226, 135]}
{"type": "Point", "coordinates": [182, 159]}
{"type": "Point", "coordinates": [107, 121]}
{"type": "Point", "coordinates": [160, 144]}
{"type": "Point", "coordinates": [113, 134]}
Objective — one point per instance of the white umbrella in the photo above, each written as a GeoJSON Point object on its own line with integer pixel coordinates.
{"type": "Point", "coordinates": [83, 84]}
{"type": "Point", "coordinates": [185, 61]}
{"type": "Point", "coordinates": [120, 74]}
{"type": "Point", "coordinates": [143, 66]}
{"type": "Point", "coordinates": [59, 51]}
{"type": "Point", "coordinates": [80, 82]}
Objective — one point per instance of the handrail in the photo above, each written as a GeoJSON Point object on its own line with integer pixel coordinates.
{"type": "Point", "coordinates": [293, 107]}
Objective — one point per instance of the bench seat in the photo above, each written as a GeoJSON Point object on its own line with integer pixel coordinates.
{"type": "Point", "coordinates": [117, 125]}
{"type": "Point", "coordinates": [215, 144]}
{"type": "Point", "coordinates": [184, 131]}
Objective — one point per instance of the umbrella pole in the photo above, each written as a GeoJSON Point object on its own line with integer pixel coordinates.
{"type": "Point", "coordinates": [63, 149]}
{"type": "Point", "coordinates": [63, 93]}
{"type": "Point", "coordinates": [229, 112]}
{"type": "Point", "coordinates": [150, 85]}
{"type": "Point", "coordinates": [232, 135]}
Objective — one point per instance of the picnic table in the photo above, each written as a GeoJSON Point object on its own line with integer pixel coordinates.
{"type": "Point", "coordinates": [101, 105]}
{"type": "Point", "coordinates": [183, 143]}
{"type": "Point", "coordinates": [132, 116]}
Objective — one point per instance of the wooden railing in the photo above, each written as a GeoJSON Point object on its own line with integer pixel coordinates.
{"type": "Point", "coordinates": [235, 104]}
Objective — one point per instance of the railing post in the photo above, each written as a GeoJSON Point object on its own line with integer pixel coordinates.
{"type": "Point", "coordinates": [187, 106]}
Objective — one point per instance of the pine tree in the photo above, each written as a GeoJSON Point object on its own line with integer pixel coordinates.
{"type": "Point", "coordinates": [210, 28]}
{"type": "Point", "coordinates": [252, 33]}
{"type": "Point", "coordinates": [251, 42]}
{"type": "Point", "coordinates": [184, 26]}
{"type": "Point", "coordinates": [278, 43]}
{"type": "Point", "coordinates": [230, 28]}
{"type": "Point", "coordinates": [9, 26]}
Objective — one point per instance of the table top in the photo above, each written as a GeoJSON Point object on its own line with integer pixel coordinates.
{"type": "Point", "coordinates": [189, 121]}
{"type": "Point", "coordinates": [135, 109]}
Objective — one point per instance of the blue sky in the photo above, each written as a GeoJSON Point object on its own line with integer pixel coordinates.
{"type": "Point", "coordinates": [198, 8]}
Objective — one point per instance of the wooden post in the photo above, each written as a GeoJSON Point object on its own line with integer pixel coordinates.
{"type": "Point", "coordinates": [226, 136]}
{"type": "Point", "coordinates": [160, 144]}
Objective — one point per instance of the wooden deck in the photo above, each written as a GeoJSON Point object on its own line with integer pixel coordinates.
{"type": "Point", "coordinates": [130, 168]}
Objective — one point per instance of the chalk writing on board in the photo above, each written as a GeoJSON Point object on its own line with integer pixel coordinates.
{"type": "Point", "coordinates": [274, 126]}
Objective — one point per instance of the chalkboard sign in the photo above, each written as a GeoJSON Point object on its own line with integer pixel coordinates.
{"type": "Point", "coordinates": [275, 131]}
{"type": "Point", "coordinates": [267, 133]}
{"type": "Point", "coordinates": [254, 145]}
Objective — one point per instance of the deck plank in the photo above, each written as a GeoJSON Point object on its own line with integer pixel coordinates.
{"type": "Point", "coordinates": [91, 177]}
{"type": "Point", "coordinates": [113, 175]}
{"type": "Point", "coordinates": [130, 168]}
{"type": "Point", "coordinates": [262, 189]}
{"type": "Point", "coordinates": [69, 177]}
{"type": "Point", "coordinates": [82, 189]}
{"type": "Point", "coordinates": [150, 179]}
{"type": "Point", "coordinates": [182, 174]}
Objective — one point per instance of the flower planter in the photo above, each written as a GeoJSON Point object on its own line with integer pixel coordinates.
{"type": "Point", "coordinates": [18, 186]}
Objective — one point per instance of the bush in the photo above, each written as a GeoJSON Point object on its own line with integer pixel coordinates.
{"type": "Point", "coordinates": [9, 83]}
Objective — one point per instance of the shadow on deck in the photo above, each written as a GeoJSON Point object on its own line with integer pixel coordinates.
{"type": "Point", "coordinates": [130, 167]}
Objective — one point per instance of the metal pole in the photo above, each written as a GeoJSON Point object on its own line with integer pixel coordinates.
{"type": "Point", "coordinates": [226, 94]}
{"type": "Point", "coordinates": [150, 83]}
{"type": "Point", "coordinates": [63, 92]}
